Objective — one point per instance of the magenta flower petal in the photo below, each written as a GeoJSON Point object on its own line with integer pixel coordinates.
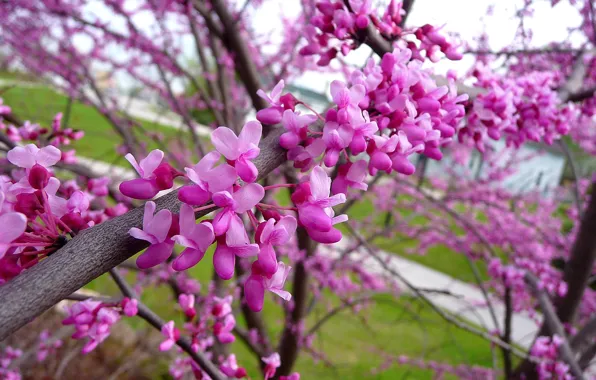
{"type": "Point", "coordinates": [139, 188]}
{"type": "Point", "coordinates": [248, 196]}
{"type": "Point", "coordinates": [329, 237]}
{"type": "Point", "coordinates": [236, 235]}
{"type": "Point", "coordinates": [224, 260]}
{"type": "Point", "coordinates": [23, 157]}
{"type": "Point", "coordinates": [254, 292]}
{"type": "Point", "coordinates": [270, 115]}
{"type": "Point", "coordinates": [220, 178]}
{"type": "Point", "coordinates": [221, 222]}
{"type": "Point", "coordinates": [226, 142]}
{"type": "Point", "coordinates": [155, 255]}
{"type": "Point", "coordinates": [247, 171]}
{"type": "Point", "coordinates": [151, 162]}
{"type": "Point", "coordinates": [203, 235]}
{"type": "Point", "coordinates": [187, 259]}
{"type": "Point", "coordinates": [250, 135]}
{"type": "Point", "coordinates": [142, 235]}
{"type": "Point", "coordinates": [267, 259]}
{"type": "Point", "coordinates": [315, 218]}
{"type": "Point", "coordinates": [193, 195]}
{"type": "Point", "coordinates": [13, 225]}
{"type": "Point", "coordinates": [159, 225]}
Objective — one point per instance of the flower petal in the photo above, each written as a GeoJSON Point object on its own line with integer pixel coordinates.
{"type": "Point", "coordinates": [254, 293]}
{"type": "Point", "coordinates": [13, 225]}
{"type": "Point", "coordinates": [155, 255]}
{"type": "Point", "coordinates": [23, 157]}
{"type": "Point", "coordinates": [250, 134]}
{"type": "Point", "coordinates": [48, 156]}
{"type": "Point", "coordinates": [151, 162]}
{"type": "Point", "coordinates": [187, 259]}
{"type": "Point", "coordinates": [142, 235]}
{"type": "Point", "coordinates": [223, 261]}
{"type": "Point", "coordinates": [320, 183]}
{"type": "Point", "coordinates": [226, 142]}
{"type": "Point", "coordinates": [160, 225]}
{"type": "Point", "coordinates": [248, 196]}
{"type": "Point", "coordinates": [220, 178]}
{"type": "Point", "coordinates": [236, 235]}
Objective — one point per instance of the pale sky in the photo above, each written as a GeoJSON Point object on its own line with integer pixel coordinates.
{"type": "Point", "coordinates": [467, 17]}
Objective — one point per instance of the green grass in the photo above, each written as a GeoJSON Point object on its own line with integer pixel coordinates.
{"type": "Point", "coordinates": [41, 104]}
{"type": "Point", "coordinates": [352, 342]}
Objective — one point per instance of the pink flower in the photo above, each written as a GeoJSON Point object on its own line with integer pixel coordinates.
{"type": "Point", "coordinates": [273, 362]}
{"type": "Point", "coordinates": [187, 303]}
{"type": "Point", "coordinates": [314, 203]}
{"type": "Point", "coordinates": [271, 115]}
{"type": "Point", "coordinates": [230, 368]}
{"type": "Point", "coordinates": [259, 281]}
{"type": "Point", "coordinates": [91, 320]}
{"type": "Point", "coordinates": [29, 155]}
{"type": "Point", "coordinates": [98, 186]}
{"type": "Point", "coordinates": [223, 330]}
{"type": "Point", "coordinates": [239, 202]}
{"type": "Point", "coordinates": [337, 137]}
{"type": "Point", "coordinates": [221, 306]}
{"type": "Point", "coordinates": [129, 306]}
{"type": "Point", "coordinates": [296, 125]}
{"type": "Point", "coordinates": [155, 176]}
{"type": "Point", "coordinates": [155, 231]}
{"type": "Point", "coordinates": [171, 333]}
{"type": "Point", "coordinates": [350, 175]}
{"type": "Point", "coordinates": [240, 149]}
{"type": "Point", "coordinates": [304, 158]}
{"type": "Point", "coordinates": [13, 226]}
{"type": "Point", "coordinates": [269, 234]}
{"type": "Point", "coordinates": [207, 179]}
{"type": "Point", "coordinates": [47, 345]}
{"type": "Point", "coordinates": [195, 237]}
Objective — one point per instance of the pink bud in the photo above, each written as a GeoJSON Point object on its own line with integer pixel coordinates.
{"type": "Point", "coordinates": [38, 177]}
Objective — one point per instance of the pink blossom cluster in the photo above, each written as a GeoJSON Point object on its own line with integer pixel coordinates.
{"type": "Point", "coordinates": [56, 136]}
{"type": "Point", "coordinates": [215, 182]}
{"type": "Point", "coordinates": [92, 320]}
{"type": "Point", "coordinates": [547, 350]}
{"type": "Point", "coordinates": [342, 26]}
{"type": "Point", "coordinates": [520, 109]}
{"type": "Point", "coordinates": [389, 111]}
{"type": "Point", "coordinates": [40, 211]}
{"type": "Point", "coordinates": [7, 357]}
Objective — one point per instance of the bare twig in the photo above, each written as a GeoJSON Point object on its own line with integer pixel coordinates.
{"type": "Point", "coordinates": [554, 324]}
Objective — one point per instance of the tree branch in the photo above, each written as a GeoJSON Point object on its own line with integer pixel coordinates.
{"type": "Point", "coordinates": [92, 253]}
{"type": "Point", "coordinates": [554, 324]}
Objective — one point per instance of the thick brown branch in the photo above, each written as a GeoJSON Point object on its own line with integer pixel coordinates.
{"type": "Point", "coordinates": [242, 57]}
{"type": "Point", "coordinates": [92, 253]}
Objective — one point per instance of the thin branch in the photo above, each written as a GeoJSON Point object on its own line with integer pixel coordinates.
{"type": "Point", "coordinates": [334, 311]}
{"type": "Point", "coordinates": [448, 317]}
{"type": "Point", "coordinates": [573, 167]}
{"type": "Point", "coordinates": [554, 324]}
{"type": "Point", "coordinates": [200, 358]}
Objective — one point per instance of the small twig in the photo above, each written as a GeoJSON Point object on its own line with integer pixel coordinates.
{"type": "Point", "coordinates": [449, 318]}
{"type": "Point", "coordinates": [554, 324]}
{"type": "Point", "coordinates": [573, 167]}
